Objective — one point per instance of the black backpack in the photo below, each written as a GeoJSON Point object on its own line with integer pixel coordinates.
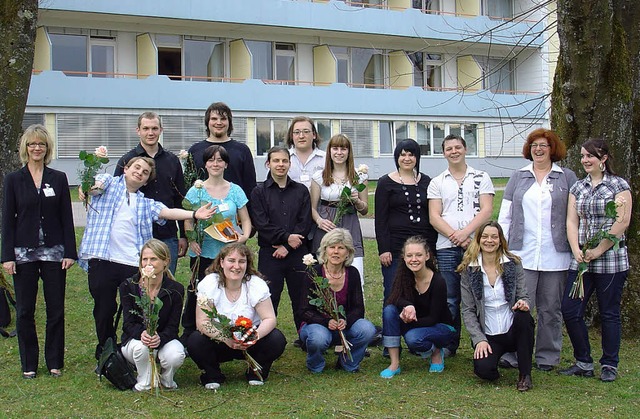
{"type": "Point", "coordinates": [114, 366]}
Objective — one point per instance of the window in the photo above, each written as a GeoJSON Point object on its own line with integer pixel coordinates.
{"type": "Point", "coordinates": [116, 132]}
{"type": "Point", "coordinates": [500, 9]}
{"type": "Point", "coordinates": [427, 69]}
{"type": "Point", "coordinates": [323, 126]}
{"type": "Point", "coordinates": [203, 60]}
{"type": "Point", "coordinates": [181, 131]}
{"type": "Point", "coordinates": [285, 62]}
{"type": "Point", "coordinates": [363, 67]}
{"type": "Point", "coordinates": [361, 135]}
{"type": "Point", "coordinates": [497, 74]}
{"type": "Point", "coordinates": [82, 55]}
{"type": "Point", "coordinates": [261, 59]}
{"type": "Point", "coordinates": [391, 133]}
{"type": "Point", "coordinates": [170, 56]}
{"type": "Point", "coordinates": [431, 135]}
{"type": "Point", "coordinates": [427, 6]}
{"type": "Point", "coordinates": [270, 132]}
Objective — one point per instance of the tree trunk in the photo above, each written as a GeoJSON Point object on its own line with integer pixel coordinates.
{"type": "Point", "coordinates": [18, 33]}
{"type": "Point", "coordinates": [596, 93]}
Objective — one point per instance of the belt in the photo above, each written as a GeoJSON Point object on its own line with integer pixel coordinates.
{"type": "Point", "coordinates": [329, 203]}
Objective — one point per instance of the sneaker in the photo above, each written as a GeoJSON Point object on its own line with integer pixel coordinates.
{"type": "Point", "coordinates": [608, 374]}
{"type": "Point", "coordinates": [576, 370]}
{"type": "Point", "coordinates": [212, 386]}
{"type": "Point", "coordinates": [544, 367]}
{"type": "Point", "coordinates": [255, 383]}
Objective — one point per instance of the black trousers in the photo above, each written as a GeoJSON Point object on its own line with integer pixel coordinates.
{"type": "Point", "coordinates": [208, 354]}
{"type": "Point", "coordinates": [519, 339]}
{"type": "Point", "coordinates": [277, 271]}
{"type": "Point", "coordinates": [104, 279]}
{"type": "Point", "coordinates": [25, 282]}
{"type": "Point", "coordinates": [189, 313]}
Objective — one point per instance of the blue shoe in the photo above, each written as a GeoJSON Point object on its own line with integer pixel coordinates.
{"type": "Point", "coordinates": [388, 373]}
{"type": "Point", "coordinates": [438, 367]}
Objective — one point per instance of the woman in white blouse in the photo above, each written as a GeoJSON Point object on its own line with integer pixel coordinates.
{"type": "Point", "coordinates": [235, 289]}
{"type": "Point", "coordinates": [495, 305]}
{"type": "Point", "coordinates": [533, 216]}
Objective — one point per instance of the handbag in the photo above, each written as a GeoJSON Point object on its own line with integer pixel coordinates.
{"type": "Point", "coordinates": [113, 365]}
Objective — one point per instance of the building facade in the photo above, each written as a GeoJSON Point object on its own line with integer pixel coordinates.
{"type": "Point", "coordinates": [378, 70]}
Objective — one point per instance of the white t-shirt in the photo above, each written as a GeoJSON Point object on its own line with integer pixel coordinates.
{"type": "Point", "coordinates": [302, 173]}
{"type": "Point", "coordinates": [459, 203]}
{"type": "Point", "coordinates": [253, 292]}
{"type": "Point", "coordinates": [123, 242]}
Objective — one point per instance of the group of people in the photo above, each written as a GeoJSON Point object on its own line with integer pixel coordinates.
{"type": "Point", "coordinates": [443, 261]}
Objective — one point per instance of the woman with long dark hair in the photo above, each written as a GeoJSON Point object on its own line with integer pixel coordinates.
{"type": "Point", "coordinates": [608, 265]}
{"type": "Point", "coordinates": [417, 309]}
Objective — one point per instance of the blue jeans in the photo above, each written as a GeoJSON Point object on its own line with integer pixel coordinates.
{"type": "Point", "coordinates": [418, 339]}
{"type": "Point", "coordinates": [608, 288]}
{"type": "Point", "coordinates": [448, 261]}
{"type": "Point", "coordinates": [173, 250]}
{"type": "Point", "coordinates": [388, 273]}
{"type": "Point", "coordinates": [318, 339]}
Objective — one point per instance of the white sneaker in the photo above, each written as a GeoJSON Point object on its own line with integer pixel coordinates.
{"type": "Point", "coordinates": [256, 382]}
{"type": "Point", "coordinates": [212, 386]}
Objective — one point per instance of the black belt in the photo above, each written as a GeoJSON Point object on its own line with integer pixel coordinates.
{"type": "Point", "coordinates": [329, 203]}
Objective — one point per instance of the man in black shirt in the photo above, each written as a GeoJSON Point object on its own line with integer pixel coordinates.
{"type": "Point", "coordinates": [168, 186]}
{"type": "Point", "coordinates": [219, 125]}
{"type": "Point", "coordinates": [281, 213]}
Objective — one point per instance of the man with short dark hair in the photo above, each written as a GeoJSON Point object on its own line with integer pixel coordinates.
{"type": "Point", "coordinates": [219, 125]}
{"type": "Point", "coordinates": [168, 186]}
{"type": "Point", "coordinates": [460, 200]}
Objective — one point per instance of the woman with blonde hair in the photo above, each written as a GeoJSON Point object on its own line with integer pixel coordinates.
{"type": "Point", "coordinates": [136, 342]}
{"type": "Point", "coordinates": [326, 188]}
{"type": "Point", "coordinates": [495, 305]}
{"type": "Point", "coordinates": [38, 241]}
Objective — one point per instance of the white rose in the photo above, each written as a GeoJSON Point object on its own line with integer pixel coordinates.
{"type": "Point", "coordinates": [183, 154]}
{"type": "Point", "coordinates": [101, 152]}
{"type": "Point", "coordinates": [309, 260]}
{"type": "Point", "coordinates": [198, 184]}
{"type": "Point", "coordinates": [148, 271]}
{"type": "Point", "coordinates": [363, 169]}
{"type": "Point", "coordinates": [202, 301]}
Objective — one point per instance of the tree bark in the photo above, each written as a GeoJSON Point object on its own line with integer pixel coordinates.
{"type": "Point", "coordinates": [18, 33]}
{"type": "Point", "coordinates": [596, 93]}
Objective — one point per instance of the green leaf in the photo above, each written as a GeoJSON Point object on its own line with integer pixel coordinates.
{"type": "Point", "coordinates": [82, 155]}
{"type": "Point", "coordinates": [104, 160]}
{"type": "Point", "coordinates": [583, 266]}
{"type": "Point", "coordinates": [360, 187]}
{"type": "Point", "coordinates": [186, 204]}
{"type": "Point", "coordinates": [611, 210]}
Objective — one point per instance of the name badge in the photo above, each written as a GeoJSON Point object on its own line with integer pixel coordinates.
{"type": "Point", "coordinates": [48, 191]}
{"type": "Point", "coordinates": [223, 207]}
{"type": "Point", "coordinates": [304, 178]}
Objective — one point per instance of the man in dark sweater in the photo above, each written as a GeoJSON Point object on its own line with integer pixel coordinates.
{"type": "Point", "coordinates": [219, 125]}
{"type": "Point", "coordinates": [168, 186]}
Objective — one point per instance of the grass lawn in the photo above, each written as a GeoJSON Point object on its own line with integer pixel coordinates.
{"type": "Point", "coordinates": [294, 392]}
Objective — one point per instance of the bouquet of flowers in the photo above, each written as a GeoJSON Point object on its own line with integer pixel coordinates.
{"type": "Point", "coordinates": [149, 310]}
{"type": "Point", "coordinates": [188, 168]}
{"type": "Point", "coordinates": [198, 232]}
{"type": "Point", "coordinates": [92, 163]}
{"type": "Point", "coordinates": [324, 298]}
{"type": "Point", "coordinates": [345, 205]}
{"type": "Point", "coordinates": [610, 213]}
{"type": "Point", "coordinates": [242, 330]}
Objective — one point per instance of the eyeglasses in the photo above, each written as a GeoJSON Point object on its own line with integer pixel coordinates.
{"type": "Point", "coordinates": [540, 146]}
{"type": "Point", "coordinates": [37, 145]}
{"type": "Point", "coordinates": [304, 131]}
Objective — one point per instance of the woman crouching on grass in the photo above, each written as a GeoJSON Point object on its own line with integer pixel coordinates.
{"type": "Point", "coordinates": [495, 305]}
{"type": "Point", "coordinates": [136, 342]}
{"type": "Point", "coordinates": [417, 309]}
{"type": "Point", "coordinates": [235, 289]}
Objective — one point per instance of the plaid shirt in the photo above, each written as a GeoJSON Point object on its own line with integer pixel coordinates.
{"type": "Point", "coordinates": [97, 234]}
{"type": "Point", "coordinates": [590, 205]}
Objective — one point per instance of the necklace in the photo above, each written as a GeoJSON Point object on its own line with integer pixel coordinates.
{"type": "Point", "coordinates": [334, 276]}
{"type": "Point", "coordinates": [233, 297]}
{"type": "Point", "coordinates": [418, 205]}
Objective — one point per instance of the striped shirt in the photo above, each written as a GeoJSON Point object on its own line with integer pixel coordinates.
{"type": "Point", "coordinates": [590, 205]}
{"type": "Point", "coordinates": [100, 216]}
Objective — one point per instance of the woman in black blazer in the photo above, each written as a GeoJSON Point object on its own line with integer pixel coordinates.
{"type": "Point", "coordinates": [38, 241]}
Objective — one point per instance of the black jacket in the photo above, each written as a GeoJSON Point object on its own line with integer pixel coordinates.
{"type": "Point", "coordinates": [24, 210]}
{"type": "Point", "coordinates": [171, 293]}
